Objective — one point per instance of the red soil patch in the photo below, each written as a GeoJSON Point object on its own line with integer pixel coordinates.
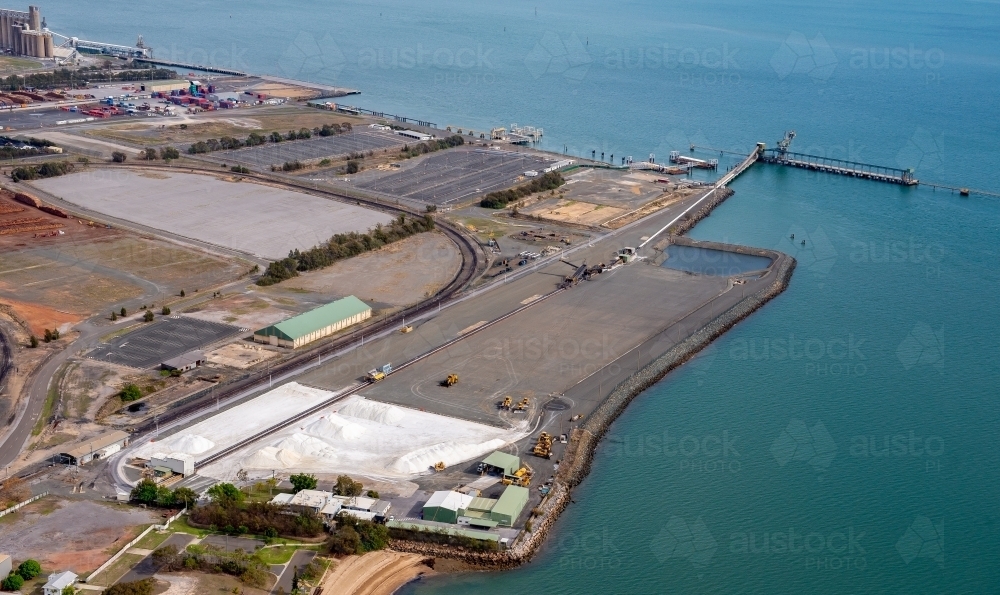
{"type": "Point", "coordinates": [40, 318]}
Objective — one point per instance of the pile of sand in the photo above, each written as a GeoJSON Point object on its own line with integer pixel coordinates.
{"type": "Point", "coordinates": [450, 453]}
{"type": "Point", "coordinates": [334, 428]}
{"type": "Point", "coordinates": [373, 411]}
{"type": "Point", "coordinates": [272, 457]}
{"type": "Point", "coordinates": [307, 446]}
{"type": "Point", "coordinates": [191, 444]}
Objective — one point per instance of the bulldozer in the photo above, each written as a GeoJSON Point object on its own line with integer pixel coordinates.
{"type": "Point", "coordinates": [522, 405]}
{"type": "Point", "coordinates": [451, 380]}
{"type": "Point", "coordinates": [506, 403]}
{"type": "Point", "coordinates": [543, 448]}
{"type": "Point", "coordinates": [521, 477]}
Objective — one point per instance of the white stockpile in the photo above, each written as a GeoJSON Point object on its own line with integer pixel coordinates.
{"type": "Point", "coordinates": [353, 436]}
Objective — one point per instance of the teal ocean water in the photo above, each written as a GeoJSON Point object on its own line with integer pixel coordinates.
{"type": "Point", "coordinates": [844, 438]}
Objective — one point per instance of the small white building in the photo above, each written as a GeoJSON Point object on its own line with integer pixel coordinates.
{"type": "Point", "coordinates": [5, 565]}
{"type": "Point", "coordinates": [57, 582]}
{"type": "Point", "coordinates": [178, 462]}
{"type": "Point", "coordinates": [313, 500]}
{"type": "Point", "coordinates": [413, 134]}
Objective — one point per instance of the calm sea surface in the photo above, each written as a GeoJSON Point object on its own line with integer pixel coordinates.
{"type": "Point", "coordinates": [844, 438]}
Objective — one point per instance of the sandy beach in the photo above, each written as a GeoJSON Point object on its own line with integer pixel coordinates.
{"type": "Point", "coordinates": [377, 573]}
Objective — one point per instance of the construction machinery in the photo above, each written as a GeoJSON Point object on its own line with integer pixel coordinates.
{"type": "Point", "coordinates": [451, 380]}
{"type": "Point", "coordinates": [439, 466]}
{"type": "Point", "coordinates": [521, 477]}
{"type": "Point", "coordinates": [522, 405]}
{"type": "Point", "coordinates": [379, 373]}
{"type": "Point", "coordinates": [543, 447]}
{"type": "Point", "coordinates": [406, 329]}
{"type": "Point", "coordinates": [506, 403]}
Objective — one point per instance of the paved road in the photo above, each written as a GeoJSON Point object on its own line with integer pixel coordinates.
{"type": "Point", "coordinates": [299, 559]}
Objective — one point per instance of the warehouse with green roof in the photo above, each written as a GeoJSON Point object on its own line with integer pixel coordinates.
{"type": "Point", "coordinates": [315, 324]}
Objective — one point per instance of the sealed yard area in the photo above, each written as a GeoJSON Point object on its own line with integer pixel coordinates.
{"type": "Point", "coordinates": [536, 354]}
{"type": "Point", "coordinates": [218, 210]}
{"type": "Point", "coordinates": [153, 343]}
{"type": "Point", "coordinates": [455, 175]}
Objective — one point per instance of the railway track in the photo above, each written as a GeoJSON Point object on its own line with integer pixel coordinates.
{"type": "Point", "coordinates": [472, 260]}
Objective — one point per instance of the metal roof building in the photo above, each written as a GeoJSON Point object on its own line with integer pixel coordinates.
{"type": "Point", "coordinates": [446, 506]}
{"type": "Point", "coordinates": [508, 464]}
{"type": "Point", "coordinates": [315, 324]}
{"type": "Point", "coordinates": [100, 447]}
{"type": "Point", "coordinates": [509, 506]}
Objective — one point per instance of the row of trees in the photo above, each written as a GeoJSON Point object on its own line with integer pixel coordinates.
{"type": "Point", "coordinates": [166, 153]}
{"type": "Point", "coordinates": [148, 492]}
{"type": "Point", "coordinates": [256, 138]}
{"type": "Point", "coordinates": [431, 146]}
{"type": "Point", "coordinates": [65, 77]}
{"type": "Point", "coordinates": [343, 245]}
{"type": "Point", "coordinates": [248, 567]}
{"type": "Point", "coordinates": [49, 169]}
{"type": "Point", "coordinates": [501, 198]}
{"type": "Point", "coordinates": [140, 587]}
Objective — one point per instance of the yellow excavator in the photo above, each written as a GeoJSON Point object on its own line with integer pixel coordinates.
{"type": "Point", "coordinates": [543, 447]}
{"type": "Point", "coordinates": [451, 380]}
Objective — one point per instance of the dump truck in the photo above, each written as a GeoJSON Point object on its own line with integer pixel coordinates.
{"type": "Point", "coordinates": [379, 373]}
{"type": "Point", "coordinates": [451, 380]}
{"type": "Point", "coordinates": [543, 447]}
{"type": "Point", "coordinates": [506, 403]}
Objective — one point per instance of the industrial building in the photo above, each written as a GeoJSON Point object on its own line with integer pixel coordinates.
{"type": "Point", "coordinates": [315, 324]}
{"type": "Point", "coordinates": [484, 513]}
{"type": "Point", "coordinates": [5, 565]}
{"type": "Point", "coordinates": [24, 33]}
{"type": "Point", "coordinates": [176, 463]}
{"type": "Point", "coordinates": [413, 134]}
{"type": "Point", "coordinates": [100, 447]}
{"type": "Point", "coordinates": [501, 463]}
{"type": "Point", "coordinates": [444, 506]}
{"type": "Point", "coordinates": [183, 363]}
{"type": "Point", "coordinates": [329, 506]}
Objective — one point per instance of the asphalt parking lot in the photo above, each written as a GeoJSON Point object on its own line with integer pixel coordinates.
{"type": "Point", "coordinates": [456, 174]}
{"type": "Point", "coordinates": [151, 344]}
{"type": "Point", "coordinates": [319, 147]}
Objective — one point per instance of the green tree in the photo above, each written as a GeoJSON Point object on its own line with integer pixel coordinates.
{"type": "Point", "coordinates": [185, 496]}
{"type": "Point", "coordinates": [182, 293]}
{"type": "Point", "coordinates": [68, 590]}
{"type": "Point", "coordinates": [372, 494]}
{"type": "Point", "coordinates": [118, 157]}
{"type": "Point", "coordinates": [13, 582]}
{"type": "Point", "coordinates": [164, 496]}
{"type": "Point", "coordinates": [148, 155]}
{"type": "Point", "coordinates": [303, 481]}
{"type": "Point", "coordinates": [114, 316]}
{"type": "Point", "coordinates": [165, 311]}
{"type": "Point", "coordinates": [352, 166]}
{"type": "Point", "coordinates": [225, 494]}
{"type": "Point", "coordinates": [143, 587]}
{"type": "Point", "coordinates": [123, 313]}
{"type": "Point", "coordinates": [345, 541]}
{"type": "Point", "coordinates": [168, 153]}
{"type": "Point", "coordinates": [48, 335]}
{"type": "Point", "coordinates": [148, 316]}
{"type": "Point", "coordinates": [33, 341]}
{"type": "Point", "coordinates": [130, 392]}
{"type": "Point", "coordinates": [145, 491]}
{"type": "Point", "coordinates": [347, 487]}
{"type": "Point", "coordinates": [29, 569]}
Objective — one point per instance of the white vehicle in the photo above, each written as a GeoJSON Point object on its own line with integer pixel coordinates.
{"type": "Point", "coordinates": [531, 173]}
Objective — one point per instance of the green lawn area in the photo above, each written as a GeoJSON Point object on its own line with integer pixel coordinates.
{"type": "Point", "coordinates": [116, 570]}
{"type": "Point", "coordinates": [181, 526]}
{"type": "Point", "coordinates": [280, 554]}
{"type": "Point", "coordinates": [153, 540]}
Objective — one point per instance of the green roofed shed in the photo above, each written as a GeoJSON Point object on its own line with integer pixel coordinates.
{"type": "Point", "coordinates": [501, 461]}
{"type": "Point", "coordinates": [315, 324]}
{"type": "Point", "coordinates": [509, 505]}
